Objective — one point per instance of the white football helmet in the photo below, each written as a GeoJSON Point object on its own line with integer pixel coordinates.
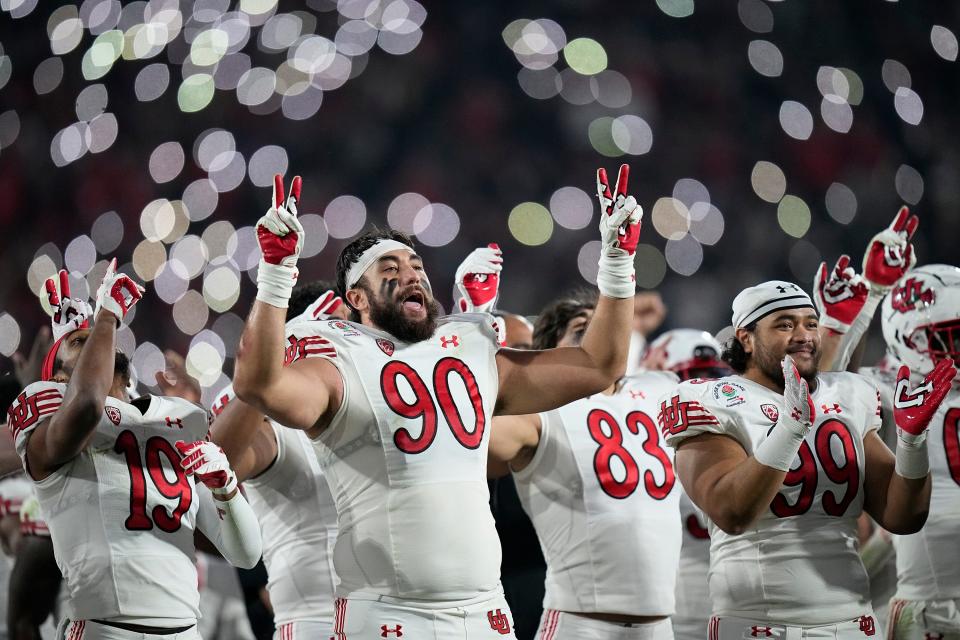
{"type": "Point", "coordinates": [689, 353]}
{"type": "Point", "coordinates": [921, 317]}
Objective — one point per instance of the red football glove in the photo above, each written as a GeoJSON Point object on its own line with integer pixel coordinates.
{"type": "Point", "coordinates": [913, 408]}
{"type": "Point", "coordinates": [839, 296]}
{"type": "Point", "coordinates": [67, 314]}
{"type": "Point", "coordinates": [117, 293]}
{"type": "Point", "coordinates": [279, 232]}
{"type": "Point", "coordinates": [321, 308]}
{"type": "Point", "coordinates": [478, 279]}
{"type": "Point", "coordinates": [619, 212]}
{"type": "Point", "coordinates": [890, 255]}
{"type": "Point", "coordinates": [209, 464]}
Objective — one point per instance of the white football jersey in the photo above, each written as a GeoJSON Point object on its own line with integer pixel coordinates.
{"type": "Point", "coordinates": [604, 500]}
{"type": "Point", "coordinates": [406, 456]}
{"type": "Point", "coordinates": [926, 566]}
{"type": "Point", "coordinates": [798, 564]}
{"type": "Point", "coordinates": [693, 594]}
{"type": "Point", "coordinates": [298, 520]}
{"type": "Point", "coordinates": [122, 514]}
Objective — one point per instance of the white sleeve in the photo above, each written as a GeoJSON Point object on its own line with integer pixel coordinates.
{"type": "Point", "coordinates": [683, 415]}
{"type": "Point", "coordinates": [231, 526]}
{"type": "Point", "coordinates": [37, 402]}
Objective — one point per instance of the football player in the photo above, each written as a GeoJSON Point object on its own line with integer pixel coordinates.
{"type": "Point", "coordinates": [289, 493]}
{"type": "Point", "coordinates": [123, 485]}
{"type": "Point", "coordinates": [600, 489]}
{"type": "Point", "coordinates": [783, 458]}
{"type": "Point", "coordinates": [690, 354]}
{"type": "Point", "coordinates": [398, 403]}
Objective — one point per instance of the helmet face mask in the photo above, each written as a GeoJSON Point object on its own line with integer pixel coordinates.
{"type": "Point", "coordinates": [921, 318]}
{"type": "Point", "coordinates": [689, 353]}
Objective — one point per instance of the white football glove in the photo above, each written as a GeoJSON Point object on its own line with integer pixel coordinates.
{"type": "Point", "coordinates": [67, 314]}
{"type": "Point", "coordinates": [478, 279]}
{"type": "Point", "coordinates": [280, 236]}
{"type": "Point", "coordinates": [208, 463]}
{"type": "Point", "coordinates": [117, 293]}
{"type": "Point", "coordinates": [620, 217]}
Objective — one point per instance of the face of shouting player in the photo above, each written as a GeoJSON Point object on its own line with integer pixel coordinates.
{"type": "Point", "coordinates": [69, 353]}
{"type": "Point", "coordinates": [792, 331]}
{"type": "Point", "coordinates": [396, 297]}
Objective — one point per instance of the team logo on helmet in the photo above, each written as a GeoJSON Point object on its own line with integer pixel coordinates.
{"type": "Point", "coordinates": [385, 345]}
{"type": "Point", "coordinates": [114, 414]}
{"type": "Point", "coordinates": [910, 295]}
{"type": "Point", "coordinates": [771, 411]}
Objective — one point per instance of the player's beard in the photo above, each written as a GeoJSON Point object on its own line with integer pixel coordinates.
{"type": "Point", "coordinates": [769, 361]}
{"type": "Point", "coordinates": [389, 316]}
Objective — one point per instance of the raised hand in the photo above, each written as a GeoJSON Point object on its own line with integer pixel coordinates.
{"type": "Point", "coordinates": [208, 463]}
{"type": "Point", "coordinates": [890, 254]}
{"type": "Point", "coordinates": [798, 413]}
{"type": "Point", "coordinates": [321, 308]}
{"type": "Point", "coordinates": [29, 368]}
{"type": "Point", "coordinates": [67, 314]}
{"type": "Point", "coordinates": [620, 217]}
{"type": "Point", "coordinates": [840, 295]}
{"type": "Point", "coordinates": [280, 236]}
{"type": "Point", "coordinates": [175, 381]}
{"type": "Point", "coordinates": [914, 407]}
{"type": "Point", "coordinates": [478, 279]}
{"type": "Point", "coordinates": [620, 214]}
{"type": "Point", "coordinates": [117, 293]}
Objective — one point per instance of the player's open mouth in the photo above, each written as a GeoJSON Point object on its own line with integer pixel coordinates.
{"type": "Point", "coordinates": [413, 302]}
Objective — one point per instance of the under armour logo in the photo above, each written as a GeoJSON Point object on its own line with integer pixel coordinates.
{"type": "Point", "coordinates": [790, 287]}
{"type": "Point", "coordinates": [867, 625]}
{"type": "Point", "coordinates": [453, 341]}
{"type": "Point", "coordinates": [174, 422]}
{"type": "Point", "coordinates": [834, 409]}
{"type": "Point", "coordinates": [385, 631]}
{"type": "Point", "coordinates": [796, 414]}
{"type": "Point", "coordinates": [637, 394]}
{"type": "Point", "coordinates": [761, 632]}
{"type": "Point", "coordinates": [499, 622]}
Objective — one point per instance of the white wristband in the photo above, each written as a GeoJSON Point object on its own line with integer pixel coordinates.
{"type": "Point", "coordinates": [912, 459]}
{"type": "Point", "coordinates": [780, 447]}
{"type": "Point", "coordinates": [275, 283]}
{"type": "Point", "coordinates": [616, 277]}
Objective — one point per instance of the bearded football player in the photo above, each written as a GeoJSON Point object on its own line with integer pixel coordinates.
{"type": "Point", "coordinates": [399, 402]}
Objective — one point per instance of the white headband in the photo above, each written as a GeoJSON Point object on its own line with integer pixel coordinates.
{"type": "Point", "coordinates": [371, 255]}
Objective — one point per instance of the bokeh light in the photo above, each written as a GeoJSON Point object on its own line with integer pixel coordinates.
{"type": "Point", "coordinates": [944, 42]}
{"type": "Point", "coordinates": [793, 215]}
{"type": "Point", "coordinates": [9, 335]}
{"type": "Point", "coordinates": [841, 203]}
{"type": "Point", "coordinates": [586, 56]}
{"type": "Point", "coordinates": [650, 266]}
{"type": "Point", "coordinates": [437, 225]}
{"type": "Point", "coordinates": [530, 223]}
{"type": "Point", "coordinates": [909, 184]}
{"type": "Point", "coordinates": [796, 120]}
{"type": "Point", "coordinates": [571, 208]}
{"type": "Point", "coordinates": [768, 181]}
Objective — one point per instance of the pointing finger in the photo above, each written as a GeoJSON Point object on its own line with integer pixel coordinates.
{"type": "Point", "coordinates": [912, 225]}
{"type": "Point", "coordinates": [295, 188]}
{"type": "Point", "coordinates": [64, 284]}
{"type": "Point", "coordinates": [622, 179]}
{"type": "Point", "coordinates": [900, 222]}
{"type": "Point", "coordinates": [277, 190]}
{"type": "Point", "coordinates": [52, 296]}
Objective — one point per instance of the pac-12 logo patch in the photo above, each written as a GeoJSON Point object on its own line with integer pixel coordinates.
{"type": "Point", "coordinates": [385, 345]}
{"type": "Point", "coordinates": [771, 411]}
{"type": "Point", "coordinates": [114, 414]}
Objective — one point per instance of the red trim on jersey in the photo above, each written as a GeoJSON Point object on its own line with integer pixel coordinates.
{"type": "Point", "coordinates": [550, 625]}
{"type": "Point", "coordinates": [76, 630]}
{"type": "Point", "coordinates": [894, 617]}
{"type": "Point", "coordinates": [339, 618]}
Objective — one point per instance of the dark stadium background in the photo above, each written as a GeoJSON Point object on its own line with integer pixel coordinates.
{"type": "Point", "coordinates": [453, 120]}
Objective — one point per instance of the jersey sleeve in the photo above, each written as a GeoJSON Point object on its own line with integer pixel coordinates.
{"type": "Point", "coordinates": [221, 399]}
{"type": "Point", "coordinates": [309, 340]}
{"type": "Point", "coordinates": [683, 414]}
{"type": "Point", "coordinates": [37, 402]}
